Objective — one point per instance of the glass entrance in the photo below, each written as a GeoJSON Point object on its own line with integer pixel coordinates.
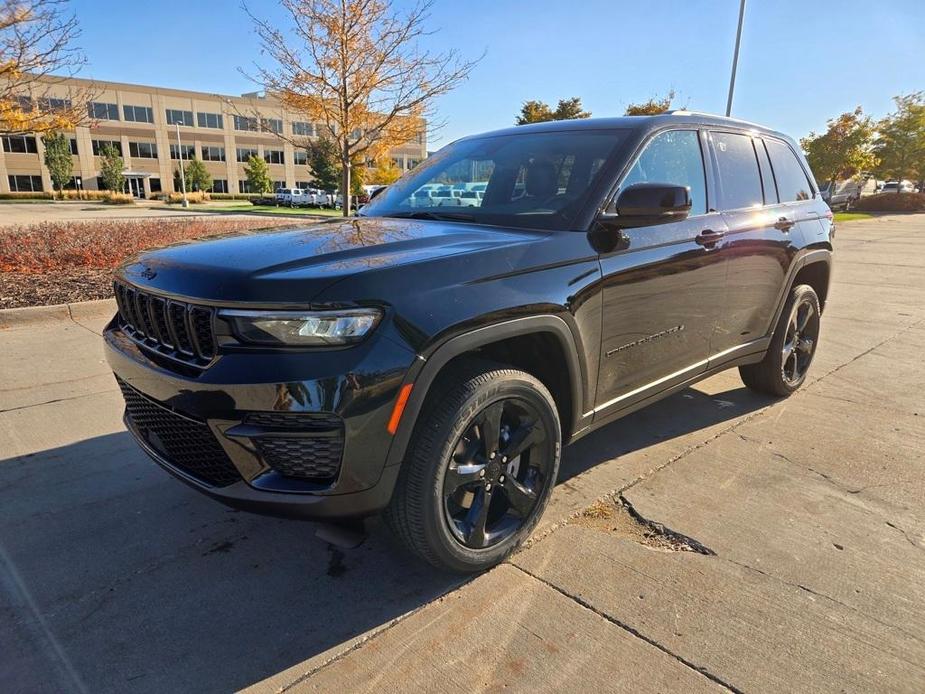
{"type": "Point", "coordinates": [136, 186]}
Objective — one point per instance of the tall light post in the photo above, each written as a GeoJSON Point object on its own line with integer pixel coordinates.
{"type": "Point", "coordinates": [735, 58]}
{"type": "Point", "coordinates": [182, 173]}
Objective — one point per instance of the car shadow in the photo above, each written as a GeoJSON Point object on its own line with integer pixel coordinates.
{"type": "Point", "coordinates": [114, 576]}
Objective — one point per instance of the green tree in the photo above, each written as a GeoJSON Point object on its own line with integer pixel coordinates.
{"type": "Point", "coordinates": [324, 163]}
{"type": "Point", "coordinates": [540, 112]}
{"type": "Point", "coordinates": [844, 150]}
{"type": "Point", "coordinates": [900, 143]}
{"type": "Point", "coordinates": [652, 107]}
{"type": "Point", "coordinates": [258, 175]}
{"type": "Point", "coordinates": [58, 160]}
{"type": "Point", "coordinates": [197, 177]}
{"type": "Point", "coordinates": [111, 167]}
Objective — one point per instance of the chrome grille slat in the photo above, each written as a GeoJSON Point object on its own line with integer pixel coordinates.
{"type": "Point", "coordinates": [183, 332]}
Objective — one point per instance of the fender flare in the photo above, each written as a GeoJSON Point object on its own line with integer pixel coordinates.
{"type": "Point", "coordinates": [424, 371]}
{"type": "Point", "coordinates": [810, 257]}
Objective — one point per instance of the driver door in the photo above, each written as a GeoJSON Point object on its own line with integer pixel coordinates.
{"type": "Point", "coordinates": [664, 286]}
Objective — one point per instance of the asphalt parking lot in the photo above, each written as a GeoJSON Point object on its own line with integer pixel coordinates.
{"type": "Point", "coordinates": [754, 544]}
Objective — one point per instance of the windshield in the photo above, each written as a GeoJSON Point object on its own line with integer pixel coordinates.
{"type": "Point", "coordinates": [535, 180]}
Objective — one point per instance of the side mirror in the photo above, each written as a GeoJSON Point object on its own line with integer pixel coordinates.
{"type": "Point", "coordinates": [647, 204]}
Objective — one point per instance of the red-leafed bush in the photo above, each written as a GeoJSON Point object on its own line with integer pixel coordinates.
{"type": "Point", "coordinates": [49, 246]}
{"type": "Point", "coordinates": [891, 202]}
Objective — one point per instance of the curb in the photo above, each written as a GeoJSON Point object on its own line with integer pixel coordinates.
{"type": "Point", "coordinates": [36, 315]}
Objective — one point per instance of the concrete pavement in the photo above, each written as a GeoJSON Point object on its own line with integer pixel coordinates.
{"type": "Point", "coordinates": [742, 543]}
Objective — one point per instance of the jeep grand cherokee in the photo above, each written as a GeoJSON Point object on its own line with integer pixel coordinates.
{"type": "Point", "coordinates": [428, 360]}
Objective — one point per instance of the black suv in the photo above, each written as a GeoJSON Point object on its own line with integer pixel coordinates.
{"type": "Point", "coordinates": [429, 357]}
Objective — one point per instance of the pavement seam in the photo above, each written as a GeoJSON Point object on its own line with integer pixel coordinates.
{"type": "Point", "coordinates": [362, 641]}
{"type": "Point", "coordinates": [70, 314]}
{"type": "Point", "coordinates": [633, 632]}
{"type": "Point", "coordinates": [51, 402]}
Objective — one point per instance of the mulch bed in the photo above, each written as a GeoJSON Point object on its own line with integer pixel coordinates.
{"type": "Point", "coordinates": [18, 289]}
{"type": "Point", "coordinates": [64, 262]}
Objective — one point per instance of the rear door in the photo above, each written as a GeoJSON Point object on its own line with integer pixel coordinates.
{"type": "Point", "coordinates": [663, 290]}
{"type": "Point", "coordinates": [757, 247]}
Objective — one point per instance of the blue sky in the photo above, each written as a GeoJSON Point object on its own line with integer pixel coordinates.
{"type": "Point", "coordinates": [801, 62]}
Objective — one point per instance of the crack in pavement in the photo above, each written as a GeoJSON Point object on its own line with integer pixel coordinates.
{"type": "Point", "coordinates": [54, 400]}
{"type": "Point", "coordinates": [634, 632]}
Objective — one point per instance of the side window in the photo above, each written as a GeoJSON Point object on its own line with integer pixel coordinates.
{"type": "Point", "coordinates": [739, 179]}
{"type": "Point", "coordinates": [767, 176]}
{"type": "Point", "coordinates": [792, 183]}
{"type": "Point", "coordinates": [673, 157]}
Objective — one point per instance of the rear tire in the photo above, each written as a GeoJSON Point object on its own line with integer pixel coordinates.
{"type": "Point", "coordinates": [463, 500]}
{"type": "Point", "coordinates": [784, 367]}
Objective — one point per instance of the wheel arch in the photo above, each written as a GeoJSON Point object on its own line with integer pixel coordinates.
{"type": "Point", "coordinates": [499, 342]}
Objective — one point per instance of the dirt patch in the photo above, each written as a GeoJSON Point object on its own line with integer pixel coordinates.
{"type": "Point", "coordinates": [616, 515]}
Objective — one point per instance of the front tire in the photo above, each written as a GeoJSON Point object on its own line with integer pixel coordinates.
{"type": "Point", "coordinates": [480, 470]}
{"type": "Point", "coordinates": [783, 369]}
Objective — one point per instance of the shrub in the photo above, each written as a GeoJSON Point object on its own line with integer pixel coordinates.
{"type": "Point", "coordinates": [233, 196]}
{"type": "Point", "coordinates": [193, 197]}
{"type": "Point", "coordinates": [66, 246]}
{"type": "Point", "coordinates": [25, 196]}
{"type": "Point", "coordinates": [118, 199]}
{"type": "Point", "coordinates": [891, 202]}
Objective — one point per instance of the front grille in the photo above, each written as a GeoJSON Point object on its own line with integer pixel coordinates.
{"type": "Point", "coordinates": [173, 329]}
{"type": "Point", "coordinates": [307, 446]}
{"type": "Point", "coordinates": [185, 443]}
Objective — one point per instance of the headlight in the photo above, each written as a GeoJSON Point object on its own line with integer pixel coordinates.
{"type": "Point", "coordinates": [303, 328]}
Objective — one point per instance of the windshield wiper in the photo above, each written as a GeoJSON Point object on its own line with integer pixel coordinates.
{"type": "Point", "coordinates": [440, 216]}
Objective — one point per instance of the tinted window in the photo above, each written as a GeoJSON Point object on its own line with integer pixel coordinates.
{"type": "Point", "coordinates": [537, 180]}
{"type": "Point", "coordinates": [738, 170]}
{"type": "Point", "coordinates": [673, 157]}
{"type": "Point", "coordinates": [791, 179]}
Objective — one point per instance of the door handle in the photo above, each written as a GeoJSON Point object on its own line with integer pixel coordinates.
{"type": "Point", "coordinates": [708, 237]}
{"type": "Point", "coordinates": [784, 224]}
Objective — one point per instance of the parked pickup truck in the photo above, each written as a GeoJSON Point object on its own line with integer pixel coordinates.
{"type": "Point", "coordinates": [429, 362]}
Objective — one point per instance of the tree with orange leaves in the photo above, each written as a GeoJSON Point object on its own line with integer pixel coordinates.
{"type": "Point", "coordinates": [36, 54]}
{"type": "Point", "coordinates": [355, 67]}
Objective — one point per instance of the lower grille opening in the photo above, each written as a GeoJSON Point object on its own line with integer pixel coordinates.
{"type": "Point", "coordinates": [313, 454]}
{"type": "Point", "coordinates": [187, 444]}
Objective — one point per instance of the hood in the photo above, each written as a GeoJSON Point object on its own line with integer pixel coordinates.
{"type": "Point", "coordinates": [294, 265]}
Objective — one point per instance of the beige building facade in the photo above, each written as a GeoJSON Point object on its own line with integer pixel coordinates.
{"type": "Point", "coordinates": [141, 122]}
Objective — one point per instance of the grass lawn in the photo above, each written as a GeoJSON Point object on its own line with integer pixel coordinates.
{"type": "Point", "coordinates": [851, 216]}
{"type": "Point", "coordinates": [272, 209]}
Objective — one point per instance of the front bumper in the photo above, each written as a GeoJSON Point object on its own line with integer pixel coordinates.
{"type": "Point", "coordinates": [356, 386]}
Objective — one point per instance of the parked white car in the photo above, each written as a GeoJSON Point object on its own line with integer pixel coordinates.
{"type": "Point", "coordinates": [895, 187]}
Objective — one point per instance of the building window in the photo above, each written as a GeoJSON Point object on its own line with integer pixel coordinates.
{"type": "Point", "coordinates": [300, 157]}
{"type": "Point", "coordinates": [20, 144]}
{"type": "Point", "coordinates": [175, 116]}
{"type": "Point", "coordinates": [101, 111]}
{"type": "Point", "coordinates": [155, 184]}
{"type": "Point", "coordinates": [245, 123]}
{"type": "Point", "coordinates": [419, 138]}
{"type": "Point", "coordinates": [273, 125]}
{"type": "Point", "coordinates": [303, 128]}
{"type": "Point", "coordinates": [210, 120]}
{"type": "Point", "coordinates": [189, 151]}
{"type": "Point", "coordinates": [100, 145]}
{"type": "Point", "coordinates": [142, 150]}
{"type": "Point", "coordinates": [244, 186]}
{"type": "Point", "coordinates": [138, 114]}
{"type": "Point", "coordinates": [219, 185]}
{"type": "Point", "coordinates": [413, 162]}
{"type": "Point", "coordinates": [25, 184]}
{"type": "Point", "coordinates": [213, 153]}
{"type": "Point", "coordinates": [274, 156]}
{"type": "Point", "coordinates": [51, 104]}
{"type": "Point", "coordinates": [278, 184]}
{"type": "Point", "coordinates": [24, 103]}
{"type": "Point", "coordinates": [303, 185]}
{"type": "Point", "coordinates": [245, 153]}
{"type": "Point", "coordinates": [73, 143]}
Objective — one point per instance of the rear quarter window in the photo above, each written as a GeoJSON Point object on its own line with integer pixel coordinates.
{"type": "Point", "coordinates": [792, 183]}
{"type": "Point", "coordinates": [739, 179]}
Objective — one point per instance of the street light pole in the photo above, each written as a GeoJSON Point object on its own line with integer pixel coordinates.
{"type": "Point", "coordinates": [182, 173]}
{"type": "Point", "coordinates": [735, 58]}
